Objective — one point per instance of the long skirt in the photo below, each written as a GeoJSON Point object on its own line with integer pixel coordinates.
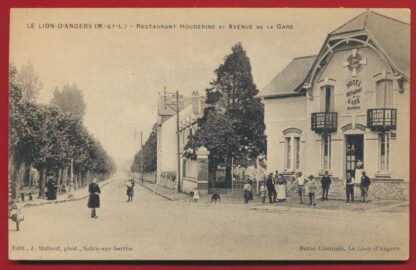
{"type": "Point", "coordinates": [94, 201]}
{"type": "Point", "coordinates": [281, 192]}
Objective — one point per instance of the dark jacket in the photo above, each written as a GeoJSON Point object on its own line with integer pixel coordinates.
{"type": "Point", "coordinates": [270, 184]}
{"type": "Point", "coordinates": [365, 181]}
{"type": "Point", "coordinates": [326, 181]}
{"type": "Point", "coordinates": [94, 199]}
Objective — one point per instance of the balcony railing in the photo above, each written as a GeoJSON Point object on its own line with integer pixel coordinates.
{"type": "Point", "coordinates": [324, 122]}
{"type": "Point", "coordinates": [384, 119]}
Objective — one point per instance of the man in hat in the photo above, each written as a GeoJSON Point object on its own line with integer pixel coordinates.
{"type": "Point", "coordinates": [325, 184]}
{"type": "Point", "coordinates": [300, 183]}
{"type": "Point", "coordinates": [364, 186]}
{"type": "Point", "coordinates": [271, 190]}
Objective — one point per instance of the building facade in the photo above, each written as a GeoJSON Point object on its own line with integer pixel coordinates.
{"type": "Point", "coordinates": [349, 103]}
{"type": "Point", "coordinates": [190, 109]}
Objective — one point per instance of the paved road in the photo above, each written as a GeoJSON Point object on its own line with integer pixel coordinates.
{"type": "Point", "coordinates": [154, 228]}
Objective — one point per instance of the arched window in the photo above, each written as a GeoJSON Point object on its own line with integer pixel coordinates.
{"type": "Point", "coordinates": [327, 98]}
{"type": "Point", "coordinates": [384, 93]}
{"type": "Point", "coordinates": [292, 149]}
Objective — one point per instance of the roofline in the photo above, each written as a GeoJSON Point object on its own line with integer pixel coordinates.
{"type": "Point", "coordinates": [297, 94]}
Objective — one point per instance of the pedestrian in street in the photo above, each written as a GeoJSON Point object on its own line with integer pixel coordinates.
{"type": "Point", "coordinates": [52, 188]}
{"type": "Point", "coordinates": [364, 186]}
{"type": "Point", "coordinates": [349, 187]}
{"type": "Point", "coordinates": [271, 190]}
{"type": "Point", "coordinates": [247, 191]}
{"type": "Point", "coordinates": [94, 199]}
{"type": "Point", "coordinates": [250, 197]}
{"type": "Point", "coordinates": [130, 190]}
{"type": "Point", "coordinates": [311, 184]}
{"type": "Point", "coordinates": [281, 188]}
{"type": "Point", "coordinates": [325, 184]}
{"type": "Point", "coordinates": [300, 183]}
{"type": "Point", "coordinates": [195, 197]}
{"type": "Point", "coordinates": [263, 192]}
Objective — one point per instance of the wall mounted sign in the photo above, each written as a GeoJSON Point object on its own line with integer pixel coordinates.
{"type": "Point", "coordinates": [354, 95]}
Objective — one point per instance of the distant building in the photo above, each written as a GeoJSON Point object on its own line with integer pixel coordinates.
{"type": "Point", "coordinates": [190, 109]}
{"type": "Point", "coordinates": [349, 102]}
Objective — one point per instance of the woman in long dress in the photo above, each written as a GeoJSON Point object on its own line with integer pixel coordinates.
{"type": "Point", "coordinates": [281, 188]}
{"type": "Point", "coordinates": [94, 199]}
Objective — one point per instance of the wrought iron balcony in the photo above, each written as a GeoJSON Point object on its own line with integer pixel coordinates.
{"type": "Point", "coordinates": [324, 122]}
{"type": "Point", "coordinates": [381, 120]}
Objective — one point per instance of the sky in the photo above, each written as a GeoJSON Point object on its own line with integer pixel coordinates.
{"type": "Point", "coordinates": [122, 71]}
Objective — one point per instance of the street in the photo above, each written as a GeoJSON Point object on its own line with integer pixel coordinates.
{"type": "Point", "coordinates": [153, 228]}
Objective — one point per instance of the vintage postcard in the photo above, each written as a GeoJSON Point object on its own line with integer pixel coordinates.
{"type": "Point", "coordinates": [209, 134]}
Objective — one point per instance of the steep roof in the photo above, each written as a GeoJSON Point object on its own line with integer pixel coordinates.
{"type": "Point", "coordinates": [391, 35]}
{"type": "Point", "coordinates": [290, 78]}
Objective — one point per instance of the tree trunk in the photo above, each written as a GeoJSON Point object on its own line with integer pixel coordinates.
{"type": "Point", "coordinates": [42, 182]}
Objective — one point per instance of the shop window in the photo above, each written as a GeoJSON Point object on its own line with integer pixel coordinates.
{"type": "Point", "coordinates": [384, 94]}
{"type": "Point", "coordinates": [384, 150]}
{"type": "Point", "coordinates": [292, 153]}
{"type": "Point", "coordinates": [326, 152]}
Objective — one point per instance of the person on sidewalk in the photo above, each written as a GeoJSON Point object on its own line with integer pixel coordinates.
{"type": "Point", "coordinates": [364, 186]}
{"type": "Point", "coordinates": [271, 190]}
{"type": "Point", "coordinates": [300, 183]}
{"type": "Point", "coordinates": [247, 191]}
{"type": "Point", "coordinates": [94, 199]}
{"type": "Point", "coordinates": [263, 192]}
{"type": "Point", "coordinates": [281, 188]}
{"type": "Point", "coordinates": [130, 190]}
{"type": "Point", "coordinates": [195, 197]}
{"type": "Point", "coordinates": [325, 184]}
{"type": "Point", "coordinates": [349, 188]}
{"type": "Point", "coordinates": [52, 188]}
{"type": "Point", "coordinates": [311, 184]}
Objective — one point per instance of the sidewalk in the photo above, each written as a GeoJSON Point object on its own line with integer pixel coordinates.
{"type": "Point", "coordinates": [167, 193]}
{"type": "Point", "coordinates": [78, 194]}
{"type": "Point", "coordinates": [291, 202]}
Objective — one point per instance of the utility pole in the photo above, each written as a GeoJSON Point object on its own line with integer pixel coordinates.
{"type": "Point", "coordinates": [178, 141]}
{"type": "Point", "coordinates": [71, 183]}
{"type": "Point", "coordinates": [141, 155]}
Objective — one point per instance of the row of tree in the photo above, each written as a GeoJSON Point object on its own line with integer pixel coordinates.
{"type": "Point", "coordinates": [149, 154]}
{"type": "Point", "coordinates": [48, 137]}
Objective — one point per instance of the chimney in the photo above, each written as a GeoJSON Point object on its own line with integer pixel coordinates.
{"type": "Point", "coordinates": [196, 105]}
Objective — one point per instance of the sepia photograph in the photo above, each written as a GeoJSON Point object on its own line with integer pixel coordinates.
{"type": "Point", "coordinates": [209, 134]}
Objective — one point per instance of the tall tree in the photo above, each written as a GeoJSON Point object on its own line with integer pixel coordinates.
{"type": "Point", "coordinates": [69, 99]}
{"type": "Point", "coordinates": [27, 80]}
{"type": "Point", "coordinates": [149, 154]}
{"type": "Point", "coordinates": [232, 96]}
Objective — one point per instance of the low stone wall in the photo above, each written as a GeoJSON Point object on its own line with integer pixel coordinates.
{"type": "Point", "coordinates": [380, 189]}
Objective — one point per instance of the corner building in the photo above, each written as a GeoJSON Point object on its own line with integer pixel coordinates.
{"type": "Point", "coordinates": [349, 102]}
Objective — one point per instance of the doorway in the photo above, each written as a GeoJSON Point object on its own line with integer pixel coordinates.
{"type": "Point", "coordinates": [354, 150]}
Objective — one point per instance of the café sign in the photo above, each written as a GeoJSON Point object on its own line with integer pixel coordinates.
{"type": "Point", "coordinates": [354, 95]}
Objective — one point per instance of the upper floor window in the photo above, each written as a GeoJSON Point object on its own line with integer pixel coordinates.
{"type": "Point", "coordinates": [327, 98]}
{"type": "Point", "coordinates": [384, 94]}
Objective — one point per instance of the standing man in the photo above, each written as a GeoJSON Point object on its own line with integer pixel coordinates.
{"type": "Point", "coordinates": [300, 182]}
{"type": "Point", "coordinates": [271, 190]}
{"type": "Point", "coordinates": [349, 187]}
{"type": "Point", "coordinates": [325, 184]}
{"type": "Point", "coordinates": [94, 199]}
{"type": "Point", "coordinates": [364, 185]}
{"type": "Point", "coordinates": [130, 190]}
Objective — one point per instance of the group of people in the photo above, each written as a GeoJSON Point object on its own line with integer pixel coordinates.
{"type": "Point", "coordinates": [276, 187]}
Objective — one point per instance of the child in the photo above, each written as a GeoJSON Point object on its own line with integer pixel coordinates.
{"type": "Point", "coordinates": [263, 193]}
{"type": "Point", "coordinates": [196, 196]}
{"type": "Point", "coordinates": [311, 189]}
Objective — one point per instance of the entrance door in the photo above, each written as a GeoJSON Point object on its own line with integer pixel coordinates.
{"type": "Point", "coordinates": [354, 151]}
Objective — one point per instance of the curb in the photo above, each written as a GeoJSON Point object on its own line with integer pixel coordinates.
{"type": "Point", "coordinates": [154, 191]}
{"type": "Point", "coordinates": [62, 201]}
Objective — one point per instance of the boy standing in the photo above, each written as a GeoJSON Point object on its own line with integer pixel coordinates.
{"type": "Point", "coordinates": [311, 189]}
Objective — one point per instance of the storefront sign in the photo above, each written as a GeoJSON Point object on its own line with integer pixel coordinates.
{"type": "Point", "coordinates": [354, 95]}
